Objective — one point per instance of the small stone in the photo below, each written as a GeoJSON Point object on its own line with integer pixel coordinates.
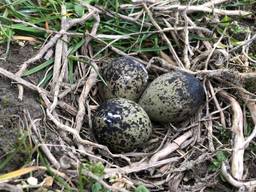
{"type": "Point", "coordinates": [32, 181]}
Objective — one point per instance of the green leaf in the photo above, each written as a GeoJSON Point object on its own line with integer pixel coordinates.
{"type": "Point", "coordinates": [141, 188]}
{"type": "Point", "coordinates": [13, 10]}
{"type": "Point", "coordinates": [79, 10]}
{"type": "Point", "coordinates": [74, 48]}
{"type": "Point", "coordinates": [5, 33]}
{"type": "Point", "coordinates": [24, 28]}
{"type": "Point", "coordinates": [5, 20]}
{"type": "Point", "coordinates": [217, 161]}
{"type": "Point", "coordinates": [38, 68]}
{"type": "Point", "coordinates": [8, 158]}
{"type": "Point", "coordinates": [235, 42]}
{"type": "Point", "coordinates": [46, 79]}
{"type": "Point", "coordinates": [221, 46]}
{"type": "Point", "coordinates": [226, 20]}
{"type": "Point", "coordinates": [98, 169]}
{"type": "Point", "coordinates": [96, 187]}
{"type": "Point", "coordinates": [221, 156]}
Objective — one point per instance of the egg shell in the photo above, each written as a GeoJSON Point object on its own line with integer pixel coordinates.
{"type": "Point", "coordinates": [122, 125]}
{"type": "Point", "coordinates": [125, 78]}
{"type": "Point", "coordinates": [173, 97]}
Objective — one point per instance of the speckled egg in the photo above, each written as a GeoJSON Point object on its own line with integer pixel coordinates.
{"type": "Point", "coordinates": [122, 125]}
{"type": "Point", "coordinates": [173, 97]}
{"type": "Point", "coordinates": [125, 78]}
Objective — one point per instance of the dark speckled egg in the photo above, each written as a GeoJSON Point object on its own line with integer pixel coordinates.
{"type": "Point", "coordinates": [122, 125]}
{"type": "Point", "coordinates": [173, 97]}
{"type": "Point", "coordinates": [125, 78]}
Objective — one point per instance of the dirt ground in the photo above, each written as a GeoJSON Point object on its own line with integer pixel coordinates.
{"type": "Point", "coordinates": [12, 110]}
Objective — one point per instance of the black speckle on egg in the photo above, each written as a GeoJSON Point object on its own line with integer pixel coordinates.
{"type": "Point", "coordinates": [125, 78]}
{"type": "Point", "coordinates": [173, 97]}
{"type": "Point", "coordinates": [121, 125]}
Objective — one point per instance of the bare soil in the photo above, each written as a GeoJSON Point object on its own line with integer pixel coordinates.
{"type": "Point", "coordinates": [12, 110]}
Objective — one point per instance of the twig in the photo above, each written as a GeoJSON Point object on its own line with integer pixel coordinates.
{"type": "Point", "coordinates": [200, 8]}
{"type": "Point", "coordinates": [247, 42]}
{"type": "Point", "coordinates": [222, 117]}
{"type": "Point", "coordinates": [175, 56]}
{"type": "Point", "coordinates": [210, 135]}
{"type": "Point", "coordinates": [92, 33]}
{"type": "Point", "coordinates": [139, 166]}
{"type": "Point", "coordinates": [60, 62]}
{"type": "Point", "coordinates": [233, 181]}
{"type": "Point", "coordinates": [72, 87]}
{"type": "Point", "coordinates": [249, 138]}
{"type": "Point", "coordinates": [33, 87]}
{"type": "Point", "coordinates": [21, 81]}
{"type": "Point", "coordinates": [48, 45]}
{"type": "Point", "coordinates": [38, 56]}
{"type": "Point", "coordinates": [252, 108]}
{"type": "Point", "coordinates": [89, 114]}
{"type": "Point", "coordinates": [165, 64]}
{"type": "Point", "coordinates": [186, 42]}
{"type": "Point", "coordinates": [165, 8]}
{"type": "Point", "coordinates": [124, 17]}
{"type": "Point", "coordinates": [171, 147]}
{"type": "Point", "coordinates": [213, 49]}
{"type": "Point", "coordinates": [59, 77]}
{"type": "Point", "coordinates": [213, 3]}
{"type": "Point", "coordinates": [189, 164]}
{"type": "Point", "coordinates": [38, 141]}
{"type": "Point", "coordinates": [58, 52]}
{"type": "Point", "coordinates": [237, 165]}
{"type": "Point", "coordinates": [90, 82]}
{"type": "Point", "coordinates": [199, 32]}
{"type": "Point", "coordinates": [9, 187]}
{"type": "Point", "coordinates": [173, 32]}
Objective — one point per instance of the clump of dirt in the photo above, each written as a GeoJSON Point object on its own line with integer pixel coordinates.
{"type": "Point", "coordinates": [12, 110]}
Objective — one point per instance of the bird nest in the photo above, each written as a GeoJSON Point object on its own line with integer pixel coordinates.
{"type": "Point", "coordinates": [197, 39]}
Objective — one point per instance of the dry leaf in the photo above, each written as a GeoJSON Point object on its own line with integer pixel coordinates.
{"type": "Point", "coordinates": [17, 173]}
{"type": "Point", "coordinates": [24, 38]}
{"type": "Point", "coordinates": [47, 182]}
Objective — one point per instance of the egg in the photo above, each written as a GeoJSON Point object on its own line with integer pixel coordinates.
{"type": "Point", "coordinates": [173, 97]}
{"type": "Point", "coordinates": [121, 125]}
{"type": "Point", "coordinates": [125, 77]}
